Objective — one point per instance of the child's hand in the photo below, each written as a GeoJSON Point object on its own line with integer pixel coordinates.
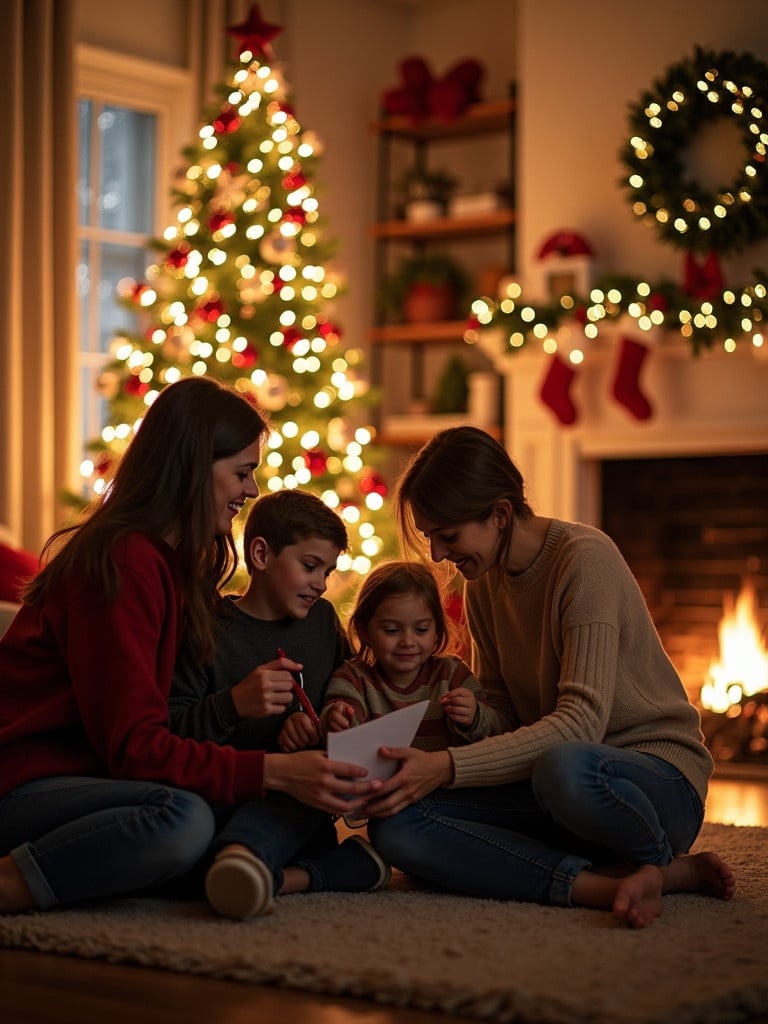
{"type": "Point", "coordinates": [298, 733]}
{"type": "Point", "coordinates": [267, 690]}
{"type": "Point", "coordinates": [460, 705]}
{"type": "Point", "coordinates": [339, 717]}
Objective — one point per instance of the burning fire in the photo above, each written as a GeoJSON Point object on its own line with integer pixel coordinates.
{"type": "Point", "coordinates": [743, 667]}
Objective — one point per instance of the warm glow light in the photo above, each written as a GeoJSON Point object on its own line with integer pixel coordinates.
{"type": "Point", "coordinates": [743, 666]}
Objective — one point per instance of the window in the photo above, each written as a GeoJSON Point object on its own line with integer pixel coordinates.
{"type": "Point", "coordinates": [132, 116]}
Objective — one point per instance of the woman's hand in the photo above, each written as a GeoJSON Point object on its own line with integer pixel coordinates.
{"type": "Point", "coordinates": [420, 773]}
{"type": "Point", "coordinates": [298, 733]}
{"type": "Point", "coordinates": [460, 705]}
{"type": "Point", "coordinates": [309, 776]}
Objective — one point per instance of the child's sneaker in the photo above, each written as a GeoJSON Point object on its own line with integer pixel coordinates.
{"type": "Point", "coordinates": [353, 866]}
{"type": "Point", "coordinates": [352, 822]}
{"type": "Point", "coordinates": [239, 885]}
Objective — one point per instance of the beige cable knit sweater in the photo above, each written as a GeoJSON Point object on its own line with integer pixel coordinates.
{"type": "Point", "coordinates": [570, 644]}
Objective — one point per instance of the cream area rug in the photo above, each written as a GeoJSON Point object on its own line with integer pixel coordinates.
{"type": "Point", "coordinates": [704, 961]}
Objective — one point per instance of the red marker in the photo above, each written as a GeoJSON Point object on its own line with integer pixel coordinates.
{"type": "Point", "coordinates": [298, 689]}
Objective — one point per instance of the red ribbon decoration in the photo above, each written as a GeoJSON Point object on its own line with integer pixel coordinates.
{"type": "Point", "coordinates": [703, 280]}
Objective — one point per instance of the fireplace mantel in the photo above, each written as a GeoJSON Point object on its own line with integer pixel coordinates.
{"type": "Point", "coordinates": [710, 404]}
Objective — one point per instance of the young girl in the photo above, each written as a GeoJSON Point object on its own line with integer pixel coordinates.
{"type": "Point", "coordinates": [399, 632]}
{"type": "Point", "coordinates": [597, 792]}
{"type": "Point", "coordinates": [97, 796]}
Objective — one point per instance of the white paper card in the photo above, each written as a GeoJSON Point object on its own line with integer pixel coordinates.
{"type": "Point", "coordinates": [360, 744]}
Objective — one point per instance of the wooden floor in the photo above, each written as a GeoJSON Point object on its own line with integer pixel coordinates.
{"type": "Point", "coordinates": [40, 989]}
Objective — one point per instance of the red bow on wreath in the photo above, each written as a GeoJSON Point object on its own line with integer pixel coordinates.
{"type": "Point", "coordinates": [703, 280]}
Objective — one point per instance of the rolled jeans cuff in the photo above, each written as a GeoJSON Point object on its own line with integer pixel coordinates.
{"type": "Point", "coordinates": [42, 893]}
{"type": "Point", "coordinates": [563, 877]}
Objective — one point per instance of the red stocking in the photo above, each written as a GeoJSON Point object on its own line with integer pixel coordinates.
{"type": "Point", "coordinates": [626, 386]}
{"type": "Point", "coordinates": [554, 390]}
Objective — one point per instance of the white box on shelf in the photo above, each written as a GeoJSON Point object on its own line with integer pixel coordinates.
{"type": "Point", "coordinates": [471, 205]}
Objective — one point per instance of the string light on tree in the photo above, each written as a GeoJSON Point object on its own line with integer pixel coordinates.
{"type": "Point", "coordinates": [241, 291]}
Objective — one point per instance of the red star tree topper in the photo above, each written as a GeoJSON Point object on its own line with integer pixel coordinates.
{"type": "Point", "coordinates": [255, 34]}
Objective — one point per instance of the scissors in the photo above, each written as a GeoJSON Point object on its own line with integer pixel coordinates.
{"type": "Point", "coordinates": [298, 689]}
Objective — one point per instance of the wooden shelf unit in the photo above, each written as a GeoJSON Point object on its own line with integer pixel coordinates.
{"type": "Point", "coordinates": [390, 233]}
{"type": "Point", "coordinates": [498, 222]}
{"type": "Point", "coordinates": [482, 118]}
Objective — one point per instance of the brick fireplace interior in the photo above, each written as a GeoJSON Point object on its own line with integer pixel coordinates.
{"type": "Point", "coordinates": [692, 531]}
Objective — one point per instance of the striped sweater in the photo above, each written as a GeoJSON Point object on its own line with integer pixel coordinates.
{"type": "Point", "coordinates": [370, 695]}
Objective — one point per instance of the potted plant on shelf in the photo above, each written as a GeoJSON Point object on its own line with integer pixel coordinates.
{"type": "Point", "coordinates": [424, 194]}
{"type": "Point", "coordinates": [428, 286]}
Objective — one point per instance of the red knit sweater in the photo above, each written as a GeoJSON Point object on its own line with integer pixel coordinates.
{"type": "Point", "coordinates": [84, 687]}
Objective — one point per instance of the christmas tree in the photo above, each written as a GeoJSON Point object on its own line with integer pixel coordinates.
{"type": "Point", "coordinates": [240, 291]}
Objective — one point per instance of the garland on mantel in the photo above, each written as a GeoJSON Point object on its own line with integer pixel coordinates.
{"type": "Point", "coordinates": [702, 321]}
{"type": "Point", "coordinates": [701, 309]}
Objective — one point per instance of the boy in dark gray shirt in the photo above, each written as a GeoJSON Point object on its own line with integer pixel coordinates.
{"type": "Point", "coordinates": [280, 628]}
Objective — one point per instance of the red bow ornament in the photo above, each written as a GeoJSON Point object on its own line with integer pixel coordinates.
{"type": "Point", "coordinates": [703, 280]}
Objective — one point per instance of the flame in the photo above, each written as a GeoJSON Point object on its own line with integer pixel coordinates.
{"type": "Point", "coordinates": [743, 666]}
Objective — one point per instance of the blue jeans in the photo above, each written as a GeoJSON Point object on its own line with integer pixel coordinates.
{"type": "Point", "coordinates": [278, 830]}
{"type": "Point", "coordinates": [78, 838]}
{"type": "Point", "coordinates": [586, 804]}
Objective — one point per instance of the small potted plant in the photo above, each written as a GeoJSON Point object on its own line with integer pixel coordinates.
{"type": "Point", "coordinates": [424, 194]}
{"type": "Point", "coordinates": [428, 286]}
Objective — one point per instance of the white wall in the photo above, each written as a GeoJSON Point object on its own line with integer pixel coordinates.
{"type": "Point", "coordinates": [338, 56]}
{"type": "Point", "coordinates": [581, 65]}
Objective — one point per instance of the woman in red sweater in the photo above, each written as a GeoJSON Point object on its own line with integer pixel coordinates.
{"type": "Point", "coordinates": [97, 795]}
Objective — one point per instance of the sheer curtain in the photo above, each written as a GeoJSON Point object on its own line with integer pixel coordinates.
{"type": "Point", "coordinates": [37, 266]}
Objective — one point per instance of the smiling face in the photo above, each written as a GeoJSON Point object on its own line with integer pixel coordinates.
{"type": "Point", "coordinates": [401, 634]}
{"type": "Point", "coordinates": [233, 484]}
{"type": "Point", "coordinates": [289, 582]}
{"type": "Point", "coordinates": [472, 546]}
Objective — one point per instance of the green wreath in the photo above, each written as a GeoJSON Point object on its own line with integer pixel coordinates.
{"type": "Point", "coordinates": [664, 121]}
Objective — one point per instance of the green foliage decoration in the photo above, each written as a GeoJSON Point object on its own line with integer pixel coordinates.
{"type": "Point", "coordinates": [692, 94]}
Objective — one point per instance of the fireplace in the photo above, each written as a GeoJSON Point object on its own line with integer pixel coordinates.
{"type": "Point", "coordinates": [684, 493]}
{"type": "Point", "coordinates": [694, 533]}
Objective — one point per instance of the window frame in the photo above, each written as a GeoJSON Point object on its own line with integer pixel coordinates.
{"type": "Point", "coordinates": [107, 77]}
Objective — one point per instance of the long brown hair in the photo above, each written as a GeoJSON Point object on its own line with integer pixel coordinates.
{"type": "Point", "coordinates": [163, 483]}
{"type": "Point", "coordinates": [458, 477]}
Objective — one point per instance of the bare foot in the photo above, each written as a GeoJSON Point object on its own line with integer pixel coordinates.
{"type": "Point", "coordinates": [705, 873]}
{"type": "Point", "coordinates": [635, 897]}
{"type": "Point", "coordinates": [638, 899]}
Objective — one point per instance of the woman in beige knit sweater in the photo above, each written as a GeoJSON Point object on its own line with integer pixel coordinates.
{"type": "Point", "coordinates": [596, 794]}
